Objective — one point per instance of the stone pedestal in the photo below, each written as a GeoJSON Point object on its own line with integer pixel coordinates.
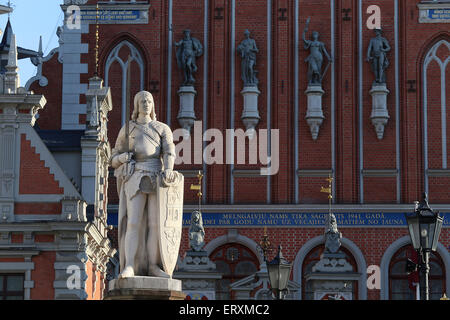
{"type": "Point", "coordinates": [186, 113]}
{"type": "Point", "coordinates": [250, 116]}
{"type": "Point", "coordinates": [380, 114]}
{"type": "Point", "coordinates": [145, 288]}
{"type": "Point", "coordinates": [199, 275]}
{"type": "Point", "coordinates": [314, 114]}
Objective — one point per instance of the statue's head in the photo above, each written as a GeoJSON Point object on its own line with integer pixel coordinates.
{"type": "Point", "coordinates": [378, 31]}
{"type": "Point", "coordinates": [247, 33]}
{"type": "Point", "coordinates": [187, 32]}
{"type": "Point", "coordinates": [144, 103]}
{"type": "Point", "coordinates": [196, 217]}
{"type": "Point", "coordinates": [315, 35]}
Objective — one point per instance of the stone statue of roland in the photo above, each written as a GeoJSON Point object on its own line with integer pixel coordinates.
{"type": "Point", "coordinates": [150, 194]}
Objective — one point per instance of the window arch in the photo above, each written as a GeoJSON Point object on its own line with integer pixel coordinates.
{"type": "Point", "coordinates": [116, 55]}
{"type": "Point", "coordinates": [399, 288]}
{"type": "Point", "coordinates": [235, 262]}
{"type": "Point", "coordinates": [312, 258]}
{"type": "Point", "coordinates": [432, 61]}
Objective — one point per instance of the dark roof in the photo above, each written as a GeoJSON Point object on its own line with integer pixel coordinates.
{"type": "Point", "coordinates": [5, 45]}
{"type": "Point", "coordinates": [61, 140]}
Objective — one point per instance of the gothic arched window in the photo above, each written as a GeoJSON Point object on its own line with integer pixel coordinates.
{"type": "Point", "coordinates": [399, 286]}
{"type": "Point", "coordinates": [436, 116]}
{"type": "Point", "coordinates": [116, 72]}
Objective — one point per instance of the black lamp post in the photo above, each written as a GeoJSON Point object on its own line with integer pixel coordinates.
{"type": "Point", "coordinates": [279, 270]}
{"type": "Point", "coordinates": [424, 227]}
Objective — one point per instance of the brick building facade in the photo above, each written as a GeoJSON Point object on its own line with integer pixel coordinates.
{"type": "Point", "coordinates": [375, 179]}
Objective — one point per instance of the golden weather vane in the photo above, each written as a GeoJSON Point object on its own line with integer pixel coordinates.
{"type": "Point", "coordinates": [265, 244]}
{"type": "Point", "coordinates": [96, 39]}
{"type": "Point", "coordinates": [198, 187]}
{"type": "Point", "coordinates": [328, 190]}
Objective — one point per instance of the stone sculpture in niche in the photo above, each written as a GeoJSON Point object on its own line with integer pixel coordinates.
{"type": "Point", "coordinates": [377, 56]}
{"type": "Point", "coordinates": [316, 72]}
{"type": "Point", "coordinates": [248, 50]}
{"type": "Point", "coordinates": [188, 49]}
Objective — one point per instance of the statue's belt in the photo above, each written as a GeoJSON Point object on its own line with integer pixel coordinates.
{"type": "Point", "coordinates": [149, 165]}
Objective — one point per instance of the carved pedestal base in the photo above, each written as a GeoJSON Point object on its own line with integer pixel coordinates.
{"type": "Point", "coordinates": [314, 114]}
{"type": "Point", "coordinates": [199, 275]}
{"type": "Point", "coordinates": [250, 116]}
{"type": "Point", "coordinates": [380, 115]}
{"type": "Point", "coordinates": [332, 278]}
{"type": "Point", "coordinates": [186, 114]}
{"type": "Point", "coordinates": [145, 288]}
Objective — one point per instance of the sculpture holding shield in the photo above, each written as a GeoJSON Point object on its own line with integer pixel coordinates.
{"type": "Point", "coordinates": [150, 194]}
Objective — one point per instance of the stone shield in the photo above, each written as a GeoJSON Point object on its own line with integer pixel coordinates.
{"type": "Point", "coordinates": [170, 208]}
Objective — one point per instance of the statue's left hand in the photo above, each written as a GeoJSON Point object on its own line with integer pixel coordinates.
{"type": "Point", "coordinates": [169, 175]}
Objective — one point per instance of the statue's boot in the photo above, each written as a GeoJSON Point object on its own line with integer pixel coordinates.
{"type": "Point", "coordinates": [127, 272]}
{"type": "Point", "coordinates": [157, 272]}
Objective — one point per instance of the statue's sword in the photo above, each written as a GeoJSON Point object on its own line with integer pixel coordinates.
{"type": "Point", "coordinates": [127, 110]}
{"type": "Point", "coordinates": [325, 71]}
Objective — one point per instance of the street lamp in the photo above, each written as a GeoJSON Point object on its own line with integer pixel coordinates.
{"type": "Point", "coordinates": [279, 270]}
{"type": "Point", "coordinates": [424, 227]}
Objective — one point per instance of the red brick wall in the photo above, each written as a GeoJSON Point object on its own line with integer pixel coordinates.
{"type": "Point", "coordinates": [43, 276]}
{"type": "Point", "coordinates": [35, 178]}
{"type": "Point", "coordinates": [94, 282]}
{"type": "Point", "coordinates": [50, 116]}
{"type": "Point", "coordinates": [37, 208]}
{"type": "Point", "coordinates": [414, 41]}
{"type": "Point", "coordinates": [373, 242]}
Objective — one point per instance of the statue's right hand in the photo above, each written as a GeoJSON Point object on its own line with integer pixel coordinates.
{"type": "Point", "coordinates": [125, 157]}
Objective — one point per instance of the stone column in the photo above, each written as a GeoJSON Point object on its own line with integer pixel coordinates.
{"type": "Point", "coordinates": [314, 114]}
{"type": "Point", "coordinates": [380, 115]}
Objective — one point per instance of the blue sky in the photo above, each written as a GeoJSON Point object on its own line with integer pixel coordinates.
{"type": "Point", "coordinates": [30, 20]}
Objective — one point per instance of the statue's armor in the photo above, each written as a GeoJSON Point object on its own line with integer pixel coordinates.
{"type": "Point", "coordinates": [149, 143]}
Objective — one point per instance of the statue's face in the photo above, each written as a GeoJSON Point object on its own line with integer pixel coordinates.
{"type": "Point", "coordinates": [315, 35]}
{"type": "Point", "coordinates": [196, 217]}
{"type": "Point", "coordinates": [187, 34]}
{"type": "Point", "coordinates": [145, 104]}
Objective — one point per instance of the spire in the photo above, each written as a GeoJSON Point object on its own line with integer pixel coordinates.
{"type": "Point", "coordinates": [12, 55]}
{"type": "Point", "coordinates": [6, 40]}
{"type": "Point", "coordinates": [40, 52]}
{"type": "Point", "coordinates": [5, 46]}
{"type": "Point", "coordinates": [12, 81]}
